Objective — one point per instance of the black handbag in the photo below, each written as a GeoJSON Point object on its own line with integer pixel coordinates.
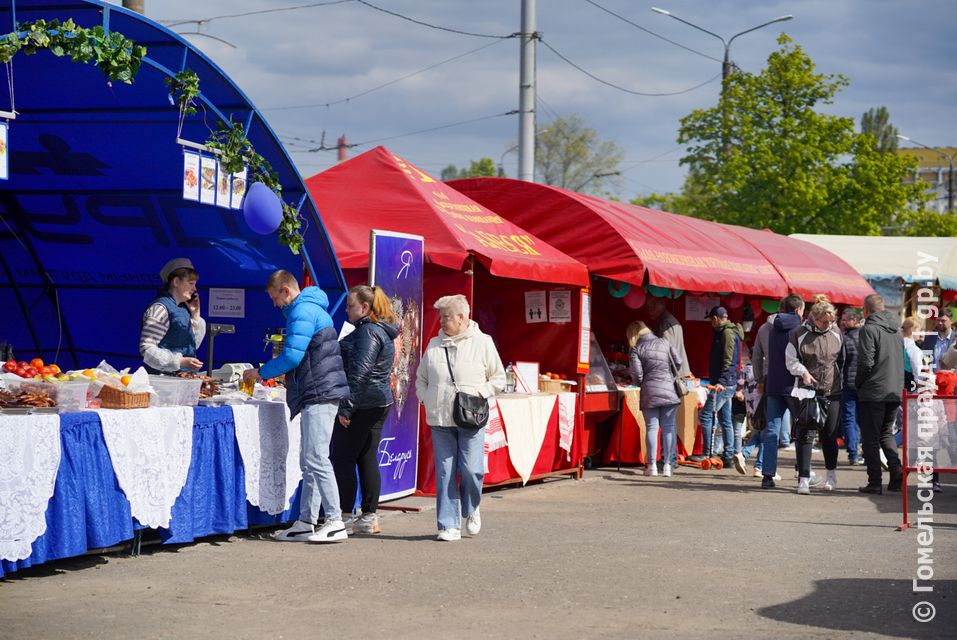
{"type": "Point", "coordinates": [468, 411]}
{"type": "Point", "coordinates": [812, 412]}
{"type": "Point", "coordinates": [759, 420]}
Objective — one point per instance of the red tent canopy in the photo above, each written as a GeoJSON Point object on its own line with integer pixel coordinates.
{"type": "Point", "coordinates": [380, 190]}
{"type": "Point", "coordinates": [807, 268]}
{"type": "Point", "coordinates": [624, 242]}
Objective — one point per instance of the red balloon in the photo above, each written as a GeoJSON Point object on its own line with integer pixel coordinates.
{"type": "Point", "coordinates": [635, 298]}
{"type": "Point", "coordinates": [948, 295]}
{"type": "Point", "coordinates": [734, 301]}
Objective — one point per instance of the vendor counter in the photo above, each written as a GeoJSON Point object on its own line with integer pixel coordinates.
{"type": "Point", "coordinates": [75, 482]}
{"type": "Point", "coordinates": [627, 439]}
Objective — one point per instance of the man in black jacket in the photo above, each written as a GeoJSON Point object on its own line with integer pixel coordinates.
{"type": "Point", "coordinates": [880, 381]}
{"type": "Point", "coordinates": [850, 430]}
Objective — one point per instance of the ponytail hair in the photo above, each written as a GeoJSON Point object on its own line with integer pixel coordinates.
{"type": "Point", "coordinates": [380, 307]}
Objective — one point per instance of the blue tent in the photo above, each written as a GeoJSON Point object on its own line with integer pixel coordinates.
{"type": "Point", "coordinates": [94, 206]}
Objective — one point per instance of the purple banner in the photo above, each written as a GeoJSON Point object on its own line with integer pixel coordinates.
{"type": "Point", "coordinates": [395, 265]}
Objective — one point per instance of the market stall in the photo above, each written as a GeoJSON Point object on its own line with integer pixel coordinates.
{"type": "Point", "coordinates": [896, 266]}
{"type": "Point", "coordinates": [634, 254]}
{"type": "Point", "coordinates": [96, 199]}
{"type": "Point", "coordinates": [523, 292]}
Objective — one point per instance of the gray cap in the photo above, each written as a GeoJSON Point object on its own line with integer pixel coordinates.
{"type": "Point", "coordinates": [173, 265]}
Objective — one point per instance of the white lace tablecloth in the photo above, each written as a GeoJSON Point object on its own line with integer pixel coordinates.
{"type": "Point", "coordinates": [151, 451]}
{"type": "Point", "coordinates": [269, 445]}
{"type": "Point", "coordinates": [29, 460]}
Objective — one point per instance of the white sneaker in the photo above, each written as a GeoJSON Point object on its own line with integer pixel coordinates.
{"type": "Point", "coordinates": [831, 483]}
{"type": "Point", "coordinates": [367, 523]}
{"type": "Point", "coordinates": [651, 470]}
{"type": "Point", "coordinates": [349, 522]}
{"type": "Point", "coordinates": [739, 463]}
{"type": "Point", "coordinates": [815, 480]}
{"type": "Point", "coordinates": [777, 477]}
{"type": "Point", "coordinates": [330, 532]}
{"type": "Point", "coordinates": [449, 535]}
{"type": "Point", "coordinates": [298, 532]}
{"type": "Point", "coordinates": [756, 472]}
{"type": "Point", "coordinates": [804, 486]}
{"type": "Point", "coordinates": [666, 471]}
{"type": "Point", "coordinates": [473, 524]}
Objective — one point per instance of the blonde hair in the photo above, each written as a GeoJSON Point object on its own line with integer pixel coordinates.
{"type": "Point", "coordinates": [280, 279]}
{"type": "Point", "coordinates": [908, 325]}
{"type": "Point", "coordinates": [823, 310]}
{"type": "Point", "coordinates": [818, 298]}
{"type": "Point", "coordinates": [380, 308]}
{"type": "Point", "coordinates": [457, 304]}
{"type": "Point", "coordinates": [635, 330]}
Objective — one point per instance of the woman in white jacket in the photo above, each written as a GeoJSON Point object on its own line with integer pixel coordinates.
{"type": "Point", "coordinates": [478, 370]}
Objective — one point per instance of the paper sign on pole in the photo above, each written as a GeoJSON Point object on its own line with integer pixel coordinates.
{"type": "Point", "coordinates": [584, 332]}
{"type": "Point", "coordinates": [535, 310]}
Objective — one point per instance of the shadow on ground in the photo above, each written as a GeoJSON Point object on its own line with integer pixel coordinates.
{"type": "Point", "coordinates": [861, 605]}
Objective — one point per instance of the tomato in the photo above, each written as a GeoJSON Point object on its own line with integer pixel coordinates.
{"type": "Point", "coordinates": [37, 363]}
{"type": "Point", "coordinates": [46, 371]}
{"type": "Point", "coordinates": [32, 372]}
{"type": "Point", "coordinates": [10, 366]}
{"type": "Point", "coordinates": [21, 371]}
{"type": "Point", "coordinates": [55, 369]}
{"type": "Point", "coordinates": [23, 364]}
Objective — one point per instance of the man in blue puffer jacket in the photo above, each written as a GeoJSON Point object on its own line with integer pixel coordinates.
{"type": "Point", "coordinates": [315, 384]}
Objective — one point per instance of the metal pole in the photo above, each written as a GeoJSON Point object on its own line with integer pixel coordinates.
{"type": "Point", "coordinates": [950, 185]}
{"type": "Point", "coordinates": [526, 95]}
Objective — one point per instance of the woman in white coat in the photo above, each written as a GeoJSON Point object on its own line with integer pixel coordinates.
{"type": "Point", "coordinates": [478, 370]}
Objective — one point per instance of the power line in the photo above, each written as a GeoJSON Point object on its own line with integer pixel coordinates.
{"type": "Point", "coordinates": [433, 26]}
{"type": "Point", "coordinates": [637, 163]}
{"type": "Point", "coordinates": [615, 86]}
{"type": "Point", "coordinates": [546, 107]}
{"type": "Point", "coordinates": [322, 147]}
{"type": "Point", "coordinates": [175, 23]}
{"type": "Point", "coordinates": [650, 32]}
{"type": "Point", "coordinates": [382, 86]}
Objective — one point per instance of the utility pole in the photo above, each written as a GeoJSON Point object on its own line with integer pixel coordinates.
{"type": "Point", "coordinates": [526, 94]}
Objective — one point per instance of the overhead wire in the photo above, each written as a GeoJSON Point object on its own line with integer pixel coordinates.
{"type": "Point", "coordinates": [433, 26]}
{"type": "Point", "coordinates": [620, 88]}
{"type": "Point", "coordinates": [176, 23]}
{"type": "Point", "coordinates": [650, 32]}
{"type": "Point", "coordinates": [384, 85]}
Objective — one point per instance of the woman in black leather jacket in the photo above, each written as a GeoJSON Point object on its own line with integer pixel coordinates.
{"type": "Point", "coordinates": [367, 353]}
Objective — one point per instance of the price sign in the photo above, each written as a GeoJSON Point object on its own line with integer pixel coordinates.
{"type": "Point", "coordinates": [227, 303]}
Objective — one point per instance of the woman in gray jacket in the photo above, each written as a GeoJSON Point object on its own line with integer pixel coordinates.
{"type": "Point", "coordinates": [651, 359]}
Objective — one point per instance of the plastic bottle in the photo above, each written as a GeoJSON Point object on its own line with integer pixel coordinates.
{"type": "Point", "coordinates": [510, 378]}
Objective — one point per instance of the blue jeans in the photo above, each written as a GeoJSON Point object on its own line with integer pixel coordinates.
{"type": "Point", "coordinates": [457, 452]}
{"type": "Point", "coordinates": [319, 486]}
{"type": "Point", "coordinates": [850, 430]}
{"type": "Point", "coordinates": [665, 416]}
{"type": "Point", "coordinates": [720, 403]}
{"type": "Point", "coordinates": [777, 406]}
{"type": "Point", "coordinates": [754, 443]}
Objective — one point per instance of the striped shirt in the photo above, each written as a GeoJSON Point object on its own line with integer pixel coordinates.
{"type": "Point", "coordinates": [155, 326]}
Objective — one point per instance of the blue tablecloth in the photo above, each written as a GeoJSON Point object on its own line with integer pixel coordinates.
{"type": "Point", "coordinates": [89, 511]}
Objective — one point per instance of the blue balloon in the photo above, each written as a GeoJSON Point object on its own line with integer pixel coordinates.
{"type": "Point", "coordinates": [262, 209]}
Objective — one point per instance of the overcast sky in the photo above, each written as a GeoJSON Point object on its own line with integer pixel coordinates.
{"type": "Point", "coordinates": [896, 53]}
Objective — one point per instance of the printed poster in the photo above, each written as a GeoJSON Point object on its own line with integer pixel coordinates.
{"type": "Point", "coordinates": [223, 187]}
{"type": "Point", "coordinates": [697, 307]}
{"type": "Point", "coordinates": [560, 306]}
{"type": "Point", "coordinates": [238, 190]}
{"type": "Point", "coordinates": [4, 154]}
{"type": "Point", "coordinates": [227, 303]}
{"type": "Point", "coordinates": [190, 176]}
{"type": "Point", "coordinates": [395, 265]}
{"type": "Point", "coordinates": [207, 179]}
{"type": "Point", "coordinates": [535, 310]}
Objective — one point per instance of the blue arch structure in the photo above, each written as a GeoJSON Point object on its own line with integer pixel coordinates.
{"type": "Point", "coordinates": [94, 208]}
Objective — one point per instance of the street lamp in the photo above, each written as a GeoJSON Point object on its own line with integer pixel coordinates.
{"type": "Point", "coordinates": [726, 65]}
{"type": "Point", "coordinates": [950, 171]}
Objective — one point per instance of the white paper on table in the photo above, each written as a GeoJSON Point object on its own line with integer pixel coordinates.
{"type": "Point", "coordinates": [526, 377]}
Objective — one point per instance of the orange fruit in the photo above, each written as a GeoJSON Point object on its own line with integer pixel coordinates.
{"type": "Point", "coordinates": [89, 373]}
{"type": "Point", "coordinates": [126, 380]}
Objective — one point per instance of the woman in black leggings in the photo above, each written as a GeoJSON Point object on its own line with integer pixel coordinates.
{"type": "Point", "coordinates": [815, 357]}
{"type": "Point", "coordinates": [368, 354]}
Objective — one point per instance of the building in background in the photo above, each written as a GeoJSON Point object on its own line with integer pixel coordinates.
{"type": "Point", "coordinates": [935, 167]}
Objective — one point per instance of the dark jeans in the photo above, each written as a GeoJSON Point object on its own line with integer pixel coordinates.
{"type": "Point", "coordinates": [877, 432]}
{"type": "Point", "coordinates": [805, 440]}
{"type": "Point", "coordinates": [358, 444]}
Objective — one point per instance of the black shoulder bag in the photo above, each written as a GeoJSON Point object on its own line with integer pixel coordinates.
{"type": "Point", "coordinates": [468, 411]}
{"type": "Point", "coordinates": [681, 389]}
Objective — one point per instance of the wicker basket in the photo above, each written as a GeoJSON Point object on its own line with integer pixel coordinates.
{"type": "Point", "coordinates": [113, 398]}
{"type": "Point", "coordinates": [554, 386]}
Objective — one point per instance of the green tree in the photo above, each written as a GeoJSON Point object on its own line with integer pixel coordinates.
{"type": "Point", "coordinates": [926, 223]}
{"type": "Point", "coordinates": [481, 168]}
{"type": "Point", "coordinates": [787, 166]}
{"type": "Point", "coordinates": [570, 155]}
{"type": "Point", "coordinates": [877, 122]}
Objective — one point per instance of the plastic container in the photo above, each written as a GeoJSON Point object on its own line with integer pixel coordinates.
{"type": "Point", "coordinates": [72, 396]}
{"type": "Point", "coordinates": [175, 392]}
